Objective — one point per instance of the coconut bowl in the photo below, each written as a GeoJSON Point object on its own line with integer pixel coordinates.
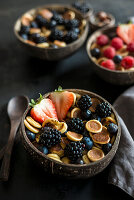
{"type": "Point", "coordinates": [112, 76]}
{"type": "Point", "coordinates": [70, 170]}
{"type": "Point", "coordinates": [52, 54]}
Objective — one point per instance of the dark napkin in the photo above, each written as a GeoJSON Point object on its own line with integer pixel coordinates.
{"type": "Point", "coordinates": [122, 169]}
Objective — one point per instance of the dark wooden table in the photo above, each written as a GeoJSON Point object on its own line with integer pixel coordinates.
{"type": "Point", "coordinates": [21, 74]}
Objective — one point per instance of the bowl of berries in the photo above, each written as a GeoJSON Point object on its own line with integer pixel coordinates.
{"type": "Point", "coordinates": [111, 52]}
{"type": "Point", "coordinates": [51, 32]}
{"type": "Point", "coordinates": [72, 132]}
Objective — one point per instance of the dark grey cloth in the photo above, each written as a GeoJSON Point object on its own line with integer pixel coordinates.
{"type": "Point", "coordinates": [122, 170]}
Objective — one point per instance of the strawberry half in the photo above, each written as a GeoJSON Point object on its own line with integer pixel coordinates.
{"type": "Point", "coordinates": [62, 100]}
{"type": "Point", "coordinates": [43, 109]}
{"type": "Point", "coordinates": [126, 32]}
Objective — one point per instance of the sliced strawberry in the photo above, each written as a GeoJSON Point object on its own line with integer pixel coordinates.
{"type": "Point", "coordinates": [126, 32]}
{"type": "Point", "coordinates": [62, 100]}
{"type": "Point", "coordinates": [43, 110]}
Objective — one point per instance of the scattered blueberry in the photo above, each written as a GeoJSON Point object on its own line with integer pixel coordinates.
{"type": "Point", "coordinates": [107, 147]}
{"type": "Point", "coordinates": [43, 149]}
{"type": "Point", "coordinates": [54, 46]}
{"type": "Point", "coordinates": [24, 36]}
{"type": "Point", "coordinates": [52, 24]}
{"type": "Point", "coordinates": [79, 161]}
{"type": "Point", "coordinates": [30, 135]}
{"type": "Point", "coordinates": [112, 128]}
{"type": "Point", "coordinates": [88, 142]}
{"type": "Point", "coordinates": [86, 114]}
{"type": "Point", "coordinates": [95, 52]}
{"type": "Point", "coordinates": [117, 59]}
{"type": "Point", "coordinates": [76, 30]}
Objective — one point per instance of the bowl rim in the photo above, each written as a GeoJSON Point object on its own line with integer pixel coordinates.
{"type": "Point", "coordinates": [47, 6]}
{"type": "Point", "coordinates": [116, 142]}
{"type": "Point", "coordinates": [101, 30]}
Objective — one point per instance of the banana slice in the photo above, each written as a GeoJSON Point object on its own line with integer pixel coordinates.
{"type": "Point", "coordinates": [110, 119]}
{"type": "Point", "coordinates": [57, 149]}
{"type": "Point", "coordinates": [94, 126]}
{"type": "Point", "coordinates": [43, 45]}
{"type": "Point", "coordinates": [76, 113]}
{"type": "Point", "coordinates": [65, 160]}
{"type": "Point", "coordinates": [62, 127]}
{"type": "Point", "coordinates": [57, 159]}
{"type": "Point", "coordinates": [95, 102]}
{"type": "Point", "coordinates": [102, 137]}
{"type": "Point", "coordinates": [50, 121]}
{"type": "Point", "coordinates": [74, 136]}
{"type": "Point", "coordinates": [85, 159]}
{"type": "Point", "coordinates": [74, 98]}
{"type": "Point", "coordinates": [53, 155]}
{"type": "Point", "coordinates": [30, 128]}
{"type": "Point", "coordinates": [34, 30]}
{"type": "Point", "coordinates": [95, 154]}
{"type": "Point", "coordinates": [33, 122]}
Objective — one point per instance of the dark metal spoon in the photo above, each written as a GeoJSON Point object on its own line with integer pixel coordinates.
{"type": "Point", "coordinates": [16, 107]}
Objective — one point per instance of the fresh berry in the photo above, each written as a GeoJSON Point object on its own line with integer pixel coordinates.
{"type": "Point", "coordinates": [84, 102]}
{"type": "Point", "coordinates": [49, 137]}
{"type": "Point", "coordinates": [52, 24]}
{"type": "Point", "coordinates": [58, 18]}
{"type": "Point", "coordinates": [117, 59]}
{"type": "Point", "coordinates": [24, 30]}
{"type": "Point", "coordinates": [103, 109]}
{"type": "Point", "coordinates": [72, 23]}
{"type": "Point", "coordinates": [112, 128]}
{"type": "Point", "coordinates": [30, 135]}
{"type": "Point", "coordinates": [41, 21]}
{"type": "Point", "coordinates": [126, 32]}
{"type": "Point", "coordinates": [43, 109]}
{"type": "Point", "coordinates": [88, 143]}
{"type": "Point", "coordinates": [39, 39]}
{"type": "Point", "coordinates": [74, 150]}
{"type": "Point", "coordinates": [95, 116]}
{"type": "Point", "coordinates": [54, 46]}
{"type": "Point", "coordinates": [76, 30]}
{"type": "Point", "coordinates": [56, 35]}
{"type": "Point", "coordinates": [130, 47]}
{"type": "Point", "coordinates": [109, 64]}
{"type": "Point", "coordinates": [34, 24]}
{"type": "Point", "coordinates": [109, 52]}
{"type": "Point", "coordinates": [95, 52]}
{"type": "Point", "coordinates": [107, 147]}
{"type": "Point", "coordinates": [127, 62]}
{"type": "Point", "coordinates": [70, 37]}
{"type": "Point", "coordinates": [79, 161]}
{"type": "Point", "coordinates": [62, 100]}
{"type": "Point", "coordinates": [102, 40]}
{"type": "Point", "coordinates": [117, 43]}
{"type": "Point", "coordinates": [75, 125]}
{"type": "Point", "coordinates": [86, 115]}
{"type": "Point", "coordinates": [43, 149]}
{"type": "Point", "coordinates": [24, 36]}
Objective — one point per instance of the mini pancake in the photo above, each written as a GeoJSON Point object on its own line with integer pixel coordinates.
{"type": "Point", "coordinates": [74, 136]}
{"type": "Point", "coordinates": [76, 113]}
{"type": "Point", "coordinates": [102, 137]}
{"type": "Point", "coordinates": [33, 122]}
{"type": "Point", "coordinates": [95, 102]}
{"type": "Point", "coordinates": [57, 149]}
{"type": "Point", "coordinates": [95, 154]}
{"type": "Point", "coordinates": [65, 160]}
{"type": "Point", "coordinates": [94, 126]}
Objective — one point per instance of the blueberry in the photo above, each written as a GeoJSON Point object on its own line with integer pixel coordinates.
{"type": "Point", "coordinates": [52, 24]}
{"type": "Point", "coordinates": [95, 52]}
{"type": "Point", "coordinates": [86, 114]}
{"type": "Point", "coordinates": [54, 46]}
{"type": "Point", "coordinates": [88, 143]}
{"type": "Point", "coordinates": [112, 128]}
{"type": "Point", "coordinates": [107, 147]}
{"type": "Point", "coordinates": [24, 30]}
{"type": "Point", "coordinates": [76, 30]}
{"type": "Point", "coordinates": [30, 135]}
{"type": "Point", "coordinates": [95, 116]}
{"type": "Point", "coordinates": [34, 24]}
{"type": "Point", "coordinates": [43, 149]}
{"type": "Point", "coordinates": [117, 59]}
{"type": "Point", "coordinates": [24, 36]}
{"type": "Point", "coordinates": [79, 161]}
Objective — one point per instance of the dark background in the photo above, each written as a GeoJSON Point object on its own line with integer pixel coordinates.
{"type": "Point", "coordinates": [21, 74]}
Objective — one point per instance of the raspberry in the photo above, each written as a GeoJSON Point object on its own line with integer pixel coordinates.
{"type": "Point", "coordinates": [130, 47]}
{"type": "Point", "coordinates": [127, 62]}
{"type": "Point", "coordinates": [102, 40]}
{"type": "Point", "coordinates": [109, 64]}
{"type": "Point", "coordinates": [109, 52]}
{"type": "Point", "coordinates": [117, 43]}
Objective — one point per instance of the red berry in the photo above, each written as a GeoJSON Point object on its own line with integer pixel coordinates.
{"type": "Point", "coordinates": [102, 40]}
{"type": "Point", "coordinates": [109, 52]}
{"type": "Point", "coordinates": [130, 47]}
{"type": "Point", "coordinates": [117, 43]}
{"type": "Point", "coordinates": [127, 62]}
{"type": "Point", "coordinates": [109, 64]}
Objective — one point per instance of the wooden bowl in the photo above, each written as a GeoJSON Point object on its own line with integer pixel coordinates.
{"type": "Point", "coordinates": [52, 54]}
{"type": "Point", "coordinates": [72, 170]}
{"type": "Point", "coordinates": [114, 77]}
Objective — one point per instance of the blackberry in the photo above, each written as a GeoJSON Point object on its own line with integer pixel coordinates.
{"type": "Point", "coordinates": [52, 24]}
{"type": "Point", "coordinates": [49, 137]}
{"type": "Point", "coordinates": [76, 125]}
{"type": "Point", "coordinates": [73, 23]}
{"type": "Point", "coordinates": [74, 150]}
{"type": "Point", "coordinates": [58, 18]}
{"type": "Point", "coordinates": [84, 102]}
{"type": "Point", "coordinates": [34, 24]}
{"type": "Point", "coordinates": [37, 38]}
{"type": "Point", "coordinates": [107, 147]}
{"type": "Point", "coordinates": [24, 30]}
{"type": "Point", "coordinates": [70, 37]}
{"type": "Point", "coordinates": [103, 109]}
{"type": "Point", "coordinates": [41, 21]}
{"type": "Point", "coordinates": [56, 35]}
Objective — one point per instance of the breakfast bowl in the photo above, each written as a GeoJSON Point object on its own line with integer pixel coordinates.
{"type": "Point", "coordinates": [120, 74]}
{"type": "Point", "coordinates": [58, 164]}
{"type": "Point", "coordinates": [44, 35]}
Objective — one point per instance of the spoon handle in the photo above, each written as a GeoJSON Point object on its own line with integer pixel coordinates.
{"type": "Point", "coordinates": [2, 152]}
{"type": "Point", "coordinates": [5, 167]}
